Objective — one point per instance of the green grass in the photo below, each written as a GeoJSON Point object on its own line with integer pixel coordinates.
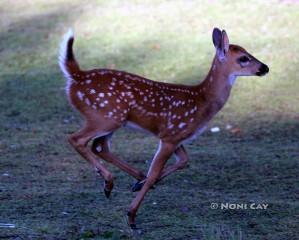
{"type": "Point", "coordinates": [52, 193]}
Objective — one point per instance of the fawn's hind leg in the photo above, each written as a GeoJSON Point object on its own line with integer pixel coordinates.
{"type": "Point", "coordinates": [100, 147]}
{"type": "Point", "coordinates": [79, 141]}
{"type": "Point", "coordinates": [181, 162]}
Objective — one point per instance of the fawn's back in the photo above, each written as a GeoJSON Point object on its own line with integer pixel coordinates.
{"type": "Point", "coordinates": [127, 98]}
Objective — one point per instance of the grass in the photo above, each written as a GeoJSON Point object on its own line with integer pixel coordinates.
{"type": "Point", "coordinates": [49, 192]}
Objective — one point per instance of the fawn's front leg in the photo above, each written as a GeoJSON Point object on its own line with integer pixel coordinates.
{"type": "Point", "coordinates": [162, 155]}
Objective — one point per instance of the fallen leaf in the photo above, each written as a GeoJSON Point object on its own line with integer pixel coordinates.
{"type": "Point", "coordinates": [236, 131]}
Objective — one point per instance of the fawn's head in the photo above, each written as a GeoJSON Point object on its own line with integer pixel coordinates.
{"type": "Point", "coordinates": [236, 58]}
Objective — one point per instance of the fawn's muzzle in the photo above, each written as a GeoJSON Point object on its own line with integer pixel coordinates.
{"type": "Point", "coordinates": [263, 70]}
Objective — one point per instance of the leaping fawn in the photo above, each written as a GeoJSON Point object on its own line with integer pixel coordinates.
{"type": "Point", "coordinates": [109, 99]}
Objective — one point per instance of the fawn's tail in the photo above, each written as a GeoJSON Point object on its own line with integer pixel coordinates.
{"type": "Point", "coordinates": [67, 61]}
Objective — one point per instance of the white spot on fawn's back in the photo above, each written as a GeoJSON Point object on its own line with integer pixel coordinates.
{"type": "Point", "coordinates": [87, 101]}
{"type": "Point", "coordinates": [80, 95]}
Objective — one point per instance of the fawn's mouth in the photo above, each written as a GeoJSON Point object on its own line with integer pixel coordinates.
{"type": "Point", "coordinates": [263, 70]}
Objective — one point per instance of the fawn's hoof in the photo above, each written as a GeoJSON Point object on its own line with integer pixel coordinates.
{"type": "Point", "coordinates": [138, 186]}
{"type": "Point", "coordinates": [108, 186]}
{"type": "Point", "coordinates": [133, 226]}
{"type": "Point", "coordinates": [107, 193]}
{"type": "Point", "coordinates": [131, 220]}
{"type": "Point", "coordinates": [131, 223]}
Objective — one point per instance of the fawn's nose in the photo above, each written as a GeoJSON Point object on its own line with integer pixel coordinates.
{"type": "Point", "coordinates": [263, 70]}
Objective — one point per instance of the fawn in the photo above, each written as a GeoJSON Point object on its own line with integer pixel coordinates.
{"type": "Point", "coordinates": [109, 99]}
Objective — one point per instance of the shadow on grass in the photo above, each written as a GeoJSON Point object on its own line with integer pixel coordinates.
{"type": "Point", "coordinates": [32, 33]}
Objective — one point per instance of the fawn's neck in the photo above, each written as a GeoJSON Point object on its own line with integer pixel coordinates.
{"type": "Point", "coordinates": [218, 83]}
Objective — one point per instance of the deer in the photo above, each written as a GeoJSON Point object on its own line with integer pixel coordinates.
{"type": "Point", "coordinates": [109, 99]}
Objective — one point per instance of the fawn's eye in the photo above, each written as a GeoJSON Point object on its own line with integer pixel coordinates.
{"type": "Point", "coordinates": [244, 59]}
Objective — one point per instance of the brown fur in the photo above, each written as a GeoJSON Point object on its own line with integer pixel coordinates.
{"type": "Point", "coordinates": [109, 99]}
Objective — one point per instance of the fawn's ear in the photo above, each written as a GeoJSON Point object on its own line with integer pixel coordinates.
{"type": "Point", "coordinates": [225, 42]}
{"type": "Point", "coordinates": [221, 43]}
{"type": "Point", "coordinates": [217, 36]}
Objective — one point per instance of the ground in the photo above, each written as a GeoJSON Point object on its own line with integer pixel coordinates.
{"type": "Point", "coordinates": [47, 191]}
